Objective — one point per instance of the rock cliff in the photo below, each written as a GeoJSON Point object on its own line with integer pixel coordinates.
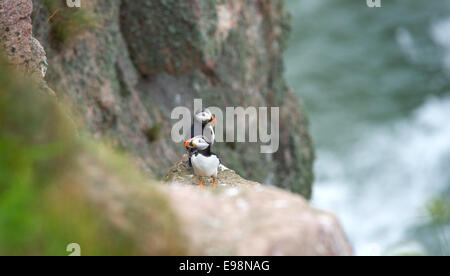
{"type": "Point", "coordinates": [121, 66]}
{"type": "Point", "coordinates": [17, 41]}
{"type": "Point", "coordinates": [127, 64]}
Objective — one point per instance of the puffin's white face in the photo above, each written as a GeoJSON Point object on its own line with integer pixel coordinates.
{"type": "Point", "coordinates": [205, 116]}
{"type": "Point", "coordinates": [197, 143]}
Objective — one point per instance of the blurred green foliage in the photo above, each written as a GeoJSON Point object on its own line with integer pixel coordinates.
{"type": "Point", "coordinates": [432, 231]}
{"type": "Point", "coordinates": [44, 200]}
{"type": "Point", "coordinates": [439, 211]}
{"type": "Point", "coordinates": [37, 215]}
{"type": "Point", "coordinates": [439, 225]}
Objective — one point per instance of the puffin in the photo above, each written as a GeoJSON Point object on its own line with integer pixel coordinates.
{"type": "Point", "coordinates": [204, 162]}
{"type": "Point", "coordinates": [202, 126]}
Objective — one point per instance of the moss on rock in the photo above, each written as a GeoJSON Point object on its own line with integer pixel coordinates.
{"type": "Point", "coordinates": [57, 189]}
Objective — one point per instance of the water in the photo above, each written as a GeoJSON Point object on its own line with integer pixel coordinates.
{"type": "Point", "coordinates": [376, 85]}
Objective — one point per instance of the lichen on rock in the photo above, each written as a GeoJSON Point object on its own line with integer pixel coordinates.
{"type": "Point", "coordinates": [17, 41]}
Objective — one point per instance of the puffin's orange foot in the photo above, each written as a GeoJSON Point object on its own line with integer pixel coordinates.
{"type": "Point", "coordinates": [201, 183]}
{"type": "Point", "coordinates": [214, 183]}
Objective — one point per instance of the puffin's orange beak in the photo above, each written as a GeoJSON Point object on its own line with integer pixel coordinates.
{"type": "Point", "coordinates": [188, 144]}
{"type": "Point", "coordinates": [214, 119]}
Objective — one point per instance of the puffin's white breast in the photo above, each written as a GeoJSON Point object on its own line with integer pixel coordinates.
{"type": "Point", "coordinates": [205, 165]}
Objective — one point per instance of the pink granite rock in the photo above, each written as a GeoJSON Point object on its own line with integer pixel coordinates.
{"type": "Point", "coordinates": [16, 38]}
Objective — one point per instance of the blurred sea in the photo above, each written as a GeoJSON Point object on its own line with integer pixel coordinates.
{"type": "Point", "coordinates": [376, 85]}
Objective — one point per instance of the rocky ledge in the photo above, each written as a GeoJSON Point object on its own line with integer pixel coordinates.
{"type": "Point", "coordinates": [242, 217]}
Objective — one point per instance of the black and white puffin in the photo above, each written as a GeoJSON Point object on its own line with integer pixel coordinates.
{"type": "Point", "coordinates": [202, 126]}
{"type": "Point", "coordinates": [204, 162]}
